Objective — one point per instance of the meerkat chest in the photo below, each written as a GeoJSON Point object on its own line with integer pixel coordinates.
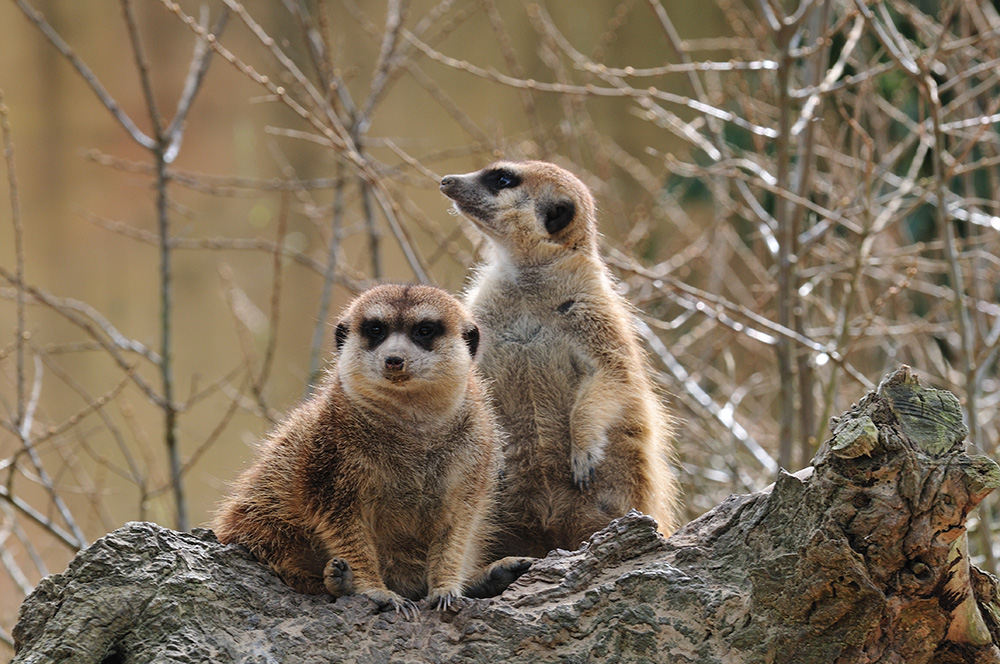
{"type": "Point", "coordinates": [408, 466]}
{"type": "Point", "coordinates": [400, 501]}
{"type": "Point", "coordinates": [526, 315]}
{"type": "Point", "coordinates": [404, 476]}
{"type": "Point", "coordinates": [537, 345]}
{"type": "Point", "coordinates": [533, 351]}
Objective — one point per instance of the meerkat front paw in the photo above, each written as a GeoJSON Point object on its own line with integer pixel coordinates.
{"type": "Point", "coordinates": [441, 598]}
{"type": "Point", "coordinates": [338, 578]}
{"type": "Point", "coordinates": [583, 463]}
{"type": "Point", "coordinates": [387, 599]}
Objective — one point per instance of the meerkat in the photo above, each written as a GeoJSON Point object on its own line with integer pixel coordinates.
{"type": "Point", "coordinates": [382, 483]}
{"type": "Point", "coordinates": [588, 438]}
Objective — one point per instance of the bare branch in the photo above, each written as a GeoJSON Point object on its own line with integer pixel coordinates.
{"type": "Point", "coordinates": [200, 61]}
{"type": "Point", "coordinates": [86, 74]}
{"type": "Point", "coordinates": [72, 543]}
{"type": "Point", "coordinates": [15, 215]}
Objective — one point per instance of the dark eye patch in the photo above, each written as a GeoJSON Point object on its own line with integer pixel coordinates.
{"type": "Point", "coordinates": [425, 332]}
{"type": "Point", "coordinates": [557, 214]}
{"type": "Point", "coordinates": [374, 331]}
{"type": "Point", "coordinates": [500, 178]}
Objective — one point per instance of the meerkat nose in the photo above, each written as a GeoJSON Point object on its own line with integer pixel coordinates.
{"type": "Point", "coordinates": [394, 363]}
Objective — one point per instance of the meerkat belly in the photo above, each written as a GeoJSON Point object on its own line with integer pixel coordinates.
{"type": "Point", "coordinates": [535, 376]}
{"type": "Point", "coordinates": [402, 522]}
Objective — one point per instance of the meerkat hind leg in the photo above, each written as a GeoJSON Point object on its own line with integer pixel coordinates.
{"type": "Point", "coordinates": [496, 576]}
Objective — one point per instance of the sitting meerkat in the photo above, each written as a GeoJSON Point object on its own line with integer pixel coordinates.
{"type": "Point", "coordinates": [383, 482]}
{"type": "Point", "coordinates": [588, 439]}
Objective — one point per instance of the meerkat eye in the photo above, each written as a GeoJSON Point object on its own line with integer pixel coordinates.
{"type": "Point", "coordinates": [424, 333]}
{"type": "Point", "coordinates": [501, 179]}
{"type": "Point", "coordinates": [373, 330]}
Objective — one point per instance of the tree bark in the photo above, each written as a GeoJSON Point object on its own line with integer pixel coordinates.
{"type": "Point", "coordinates": [861, 558]}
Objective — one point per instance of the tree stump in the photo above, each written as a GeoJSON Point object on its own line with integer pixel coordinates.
{"type": "Point", "coordinates": [861, 558]}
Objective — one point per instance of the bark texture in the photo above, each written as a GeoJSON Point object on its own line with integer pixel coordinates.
{"type": "Point", "coordinates": [862, 558]}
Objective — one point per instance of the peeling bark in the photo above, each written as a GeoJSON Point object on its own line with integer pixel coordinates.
{"type": "Point", "coordinates": [862, 559]}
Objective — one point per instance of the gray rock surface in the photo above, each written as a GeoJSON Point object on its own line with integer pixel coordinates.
{"type": "Point", "coordinates": [862, 560]}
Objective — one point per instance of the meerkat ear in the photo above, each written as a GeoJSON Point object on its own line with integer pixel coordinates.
{"type": "Point", "coordinates": [471, 337]}
{"type": "Point", "coordinates": [557, 215]}
{"type": "Point", "coordinates": [340, 335]}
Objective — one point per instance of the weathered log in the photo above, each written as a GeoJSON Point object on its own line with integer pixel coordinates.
{"type": "Point", "coordinates": [862, 558]}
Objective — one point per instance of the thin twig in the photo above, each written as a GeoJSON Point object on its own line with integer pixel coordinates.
{"type": "Point", "coordinates": [592, 90]}
{"type": "Point", "coordinates": [200, 61]}
{"type": "Point", "coordinates": [90, 320]}
{"type": "Point", "coordinates": [71, 542]}
{"type": "Point", "coordinates": [166, 366]}
{"type": "Point", "coordinates": [86, 74]}
{"type": "Point", "coordinates": [15, 216]}
{"type": "Point", "coordinates": [394, 17]}
{"type": "Point", "coordinates": [321, 324]}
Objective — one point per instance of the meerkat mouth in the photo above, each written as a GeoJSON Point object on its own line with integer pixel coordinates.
{"type": "Point", "coordinates": [473, 212]}
{"type": "Point", "coordinates": [396, 377]}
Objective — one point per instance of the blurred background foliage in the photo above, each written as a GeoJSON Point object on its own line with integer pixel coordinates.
{"type": "Point", "coordinates": [797, 196]}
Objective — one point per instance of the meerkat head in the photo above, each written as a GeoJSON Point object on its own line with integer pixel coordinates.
{"type": "Point", "coordinates": [406, 348]}
{"type": "Point", "coordinates": [533, 211]}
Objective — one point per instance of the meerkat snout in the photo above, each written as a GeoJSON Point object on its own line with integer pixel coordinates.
{"type": "Point", "coordinates": [469, 198]}
{"type": "Point", "coordinates": [395, 369]}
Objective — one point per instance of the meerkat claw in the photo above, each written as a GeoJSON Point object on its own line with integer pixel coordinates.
{"type": "Point", "coordinates": [408, 608]}
{"type": "Point", "coordinates": [442, 599]}
{"type": "Point", "coordinates": [386, 599]}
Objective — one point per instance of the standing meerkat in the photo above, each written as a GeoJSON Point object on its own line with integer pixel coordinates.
{"type": "Point", "coordinates": [588, 437]}
{"type": "Point", "coordinates": [382, 483]}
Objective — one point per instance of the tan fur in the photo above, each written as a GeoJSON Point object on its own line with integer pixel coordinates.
{"type": "Point", "coordinates": [588, 437]}
{"type": "Point", "coordinates": [383, 482]}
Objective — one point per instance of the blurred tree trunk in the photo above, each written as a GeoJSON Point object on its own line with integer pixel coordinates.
{"type": "Point", "coordinates": [861, 558]}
